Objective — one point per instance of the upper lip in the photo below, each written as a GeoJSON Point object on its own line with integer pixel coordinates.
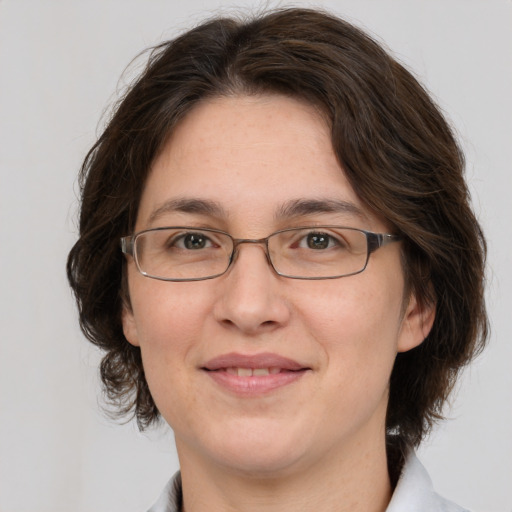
{"type": "Point", "coordinates": [263, 360]}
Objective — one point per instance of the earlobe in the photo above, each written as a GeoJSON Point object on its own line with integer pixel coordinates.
{"type": "Point", "coordinates": [129, 327]}
{"type": "Point", "coordinates": [416, 324]}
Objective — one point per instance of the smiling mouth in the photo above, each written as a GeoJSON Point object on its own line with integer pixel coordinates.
{"type": "Point", "coordinates": [253, 372]}
{"type": "Point", "coordinates": [253, 375]}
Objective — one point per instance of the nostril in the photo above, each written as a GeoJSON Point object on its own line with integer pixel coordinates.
{"type": "Point", "coordinates": [249, 326]}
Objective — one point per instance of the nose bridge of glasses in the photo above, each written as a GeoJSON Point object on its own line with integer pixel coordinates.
{"type": "Point", "coordinates": [255, 241]}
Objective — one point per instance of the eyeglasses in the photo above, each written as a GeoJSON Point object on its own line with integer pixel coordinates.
{"type": "Point", "coordinates": [193, 254]}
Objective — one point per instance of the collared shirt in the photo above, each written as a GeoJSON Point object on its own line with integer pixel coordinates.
{"type": "Point", "coordinates": [413, 493]}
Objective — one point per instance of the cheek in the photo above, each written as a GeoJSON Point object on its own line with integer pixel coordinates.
{"type": "Point", "coordinates": [356, 327]}
{"type": "Point", "coordinates": [168, 314]}
{"type": "Point", "coordinates": [352, 310]}
{"type": "Point", "coordinates": [355, 331]}
{"type": "Point", "coordinates": [170, 322]}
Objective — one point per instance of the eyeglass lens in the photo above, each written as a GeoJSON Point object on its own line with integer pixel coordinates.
{"type": "Point", "coordinates": [308, 253]}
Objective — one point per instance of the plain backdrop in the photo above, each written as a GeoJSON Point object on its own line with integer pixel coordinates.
{"type": "Point", "coordinates": [60, 63]}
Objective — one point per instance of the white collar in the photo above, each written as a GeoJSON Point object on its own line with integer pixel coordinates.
{"type": "Point", "coordinates": [413, 493]}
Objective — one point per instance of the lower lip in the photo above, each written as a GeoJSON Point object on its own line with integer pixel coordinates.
{"type": "Point", "coordinates": [256, 384]}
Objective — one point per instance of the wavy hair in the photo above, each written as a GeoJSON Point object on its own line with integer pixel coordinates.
{"type": "Point", "coordinates": [397, 150]}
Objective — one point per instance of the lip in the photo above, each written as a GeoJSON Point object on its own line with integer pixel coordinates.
{"type": "Point", "coordinates": [263, 360]}
{"type": "Point", "coordinates": [290, 371]}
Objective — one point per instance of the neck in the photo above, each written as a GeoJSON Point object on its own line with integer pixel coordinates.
{"type": "Point", "coordinates": [341, 482]}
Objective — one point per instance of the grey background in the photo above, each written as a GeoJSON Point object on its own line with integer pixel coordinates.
{"type": "Point", "coordinates": [60, 63]}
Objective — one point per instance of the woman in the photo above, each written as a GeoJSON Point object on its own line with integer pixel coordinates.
{"type": "Point", "coordinates": [278, 256]}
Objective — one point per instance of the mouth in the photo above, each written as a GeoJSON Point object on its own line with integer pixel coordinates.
{"type": "Point", "coordinates": [250, 372]}
{"type": "Point", "coordinates": [253, 374]}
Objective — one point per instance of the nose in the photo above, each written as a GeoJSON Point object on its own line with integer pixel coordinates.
{"type": "Point", "coordinates": [252, 298]}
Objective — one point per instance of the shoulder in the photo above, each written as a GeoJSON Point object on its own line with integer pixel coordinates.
{"type": "Point", "coordinates": [415, 493]}
{"type": "Point", "coordinates": [171, 498]}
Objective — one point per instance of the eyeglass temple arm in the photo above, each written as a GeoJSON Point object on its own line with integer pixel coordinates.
{"type": "Point", "coordinates": [376, 240]}
{"type": "Point", "coordinates": [127, 245]}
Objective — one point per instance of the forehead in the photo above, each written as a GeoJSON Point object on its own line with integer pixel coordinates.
{"type": "Point", "coordinates": [251, 156]}
{"type": "Point", "coordinates": [252, 131]}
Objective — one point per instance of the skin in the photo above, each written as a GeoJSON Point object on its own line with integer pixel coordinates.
{"type": "Point", "coordinates": [318, 441]}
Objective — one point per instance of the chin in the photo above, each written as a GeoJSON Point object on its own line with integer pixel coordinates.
{"type": "Point", "coordinates": [256, 450]}
{"type": "Point", "coordinates": [260, 462]}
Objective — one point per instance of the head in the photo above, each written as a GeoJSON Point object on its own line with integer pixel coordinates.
{"type": "Point", "coordinates": [398, 155]}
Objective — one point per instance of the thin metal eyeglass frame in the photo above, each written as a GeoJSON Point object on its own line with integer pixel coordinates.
{"type": "Point", "coordinates": [374, 241]}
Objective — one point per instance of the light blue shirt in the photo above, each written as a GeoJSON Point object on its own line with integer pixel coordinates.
{"type": "Point", "coordinates": [413, 493]}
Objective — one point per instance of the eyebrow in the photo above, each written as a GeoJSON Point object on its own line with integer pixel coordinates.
{"type": "Point", "coordinates": [302, 207]}
{"type": "Point", "coordinates": [290, 209]}
{"type": "Point", "coordinates": [186, 205]}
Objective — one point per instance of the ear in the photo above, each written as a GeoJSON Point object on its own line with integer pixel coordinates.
{"type": "Point", "coordinates": [130, 326]}
{"type": "Point", "coordinates": [416, 323]}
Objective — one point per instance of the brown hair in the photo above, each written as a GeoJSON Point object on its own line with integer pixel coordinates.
{"type": "Point", "coordinates": [395, 147]}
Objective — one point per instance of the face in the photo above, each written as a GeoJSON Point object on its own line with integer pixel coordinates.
{"type": "Point", "coordinates": [253, 371]}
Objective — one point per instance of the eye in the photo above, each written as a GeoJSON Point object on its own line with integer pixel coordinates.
{"type": "Point", "coordinates": [192, 241]}
{"type": "Point", "coordinates": [318, 241]}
